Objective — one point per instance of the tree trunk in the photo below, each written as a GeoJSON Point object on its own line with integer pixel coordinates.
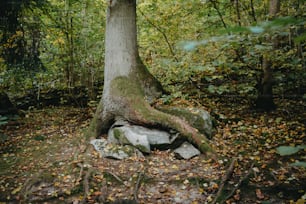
{"type": "Point", "coordinates": [129, 89]}
{"type": "Point", "coordinates": [265, 92]}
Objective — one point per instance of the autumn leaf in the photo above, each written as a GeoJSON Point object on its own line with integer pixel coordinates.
{"type": "Point", "coordinates": [259, 194]}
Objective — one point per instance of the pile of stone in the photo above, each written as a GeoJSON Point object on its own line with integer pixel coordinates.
{"type": "Point", "coordinates": [125, 140]}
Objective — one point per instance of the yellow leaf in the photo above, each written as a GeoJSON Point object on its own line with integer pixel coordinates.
{"type": "Point", "coordinates": [174, 166]}
{"type": "Point", "coordinates": [16, 190]}
{"type": "Point", "coordinates": [300, 201]}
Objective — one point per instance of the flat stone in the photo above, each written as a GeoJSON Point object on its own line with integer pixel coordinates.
{"type": "Point", "coordinates": [130, 134]}
{"type": "Point", "coordinates": [143, 138]}
{"type": "Point", "coordinates": [114, 151]}
{"type": "Point", "coordinates": [186, 151]}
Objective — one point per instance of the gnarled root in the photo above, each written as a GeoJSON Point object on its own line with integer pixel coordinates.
{"type": "Point", "coordinates": [132, 106]}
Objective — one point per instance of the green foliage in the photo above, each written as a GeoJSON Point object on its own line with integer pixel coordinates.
{"type": "Point", "coordinates": [289, 150]}
{"type": "Point", "coordinates": [299, 164]}
{"type": "Point", "coordinates": [3, 120]}
{"type": "Point", "coordinates": [193, 47]}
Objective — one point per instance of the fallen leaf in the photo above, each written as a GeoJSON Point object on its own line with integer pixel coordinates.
{"type": "Point", "coordinates": [259, 194]}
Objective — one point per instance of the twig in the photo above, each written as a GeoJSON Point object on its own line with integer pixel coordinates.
{"type": "Point", "coordinates": [116, 177]}
{"type": "Point", "coordinates": [137, 186]}
{"type": "Point", "coordinates": [224, 179]}
{"type": "Point", "coordinates": [239, 184]}
{"type": "Point", "coordinates": [81, 172]}
{"type": "Point", "coordinates": [86, 184]}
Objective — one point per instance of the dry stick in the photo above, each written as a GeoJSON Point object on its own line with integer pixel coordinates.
{"type": "Point", "coordinates": [116, 177]}
{"type": "Point", "coordinates": [224, 179]}
{"type": "Point", "coordinates": [137, 186]}
{"type": "Point", "coordinates": [81, 172]}
{"type": "Point", "coordinates": [239, 184]}
{"type": "Point", "coordinates": [86, 184]}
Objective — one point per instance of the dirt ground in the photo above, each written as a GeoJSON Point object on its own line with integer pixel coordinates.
{"type": "Point", "coordinates": [45, 158]}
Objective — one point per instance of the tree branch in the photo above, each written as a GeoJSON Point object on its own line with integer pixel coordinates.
{"type": "Point", "coordinates": [163, 33]}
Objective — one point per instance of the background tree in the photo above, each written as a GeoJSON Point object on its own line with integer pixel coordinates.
{"type": "Point", "coordinates": [265, 91]}
{"type": "Point", "coordinates": [20, 38]}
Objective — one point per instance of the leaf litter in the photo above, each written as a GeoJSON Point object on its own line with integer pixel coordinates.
{"type": "Point", "coordinates": [48, 159]}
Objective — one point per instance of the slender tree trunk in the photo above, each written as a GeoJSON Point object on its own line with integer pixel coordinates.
{"type": "Point", "coordinates": [253, 11]}
{"type": "Point", "coordinates": [238, 12]}
{"type": "Point", "coordinates": [129, 89]}
{"type": "Point", "coordinates": [265, 92]}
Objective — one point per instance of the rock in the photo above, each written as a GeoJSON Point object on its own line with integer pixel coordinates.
{"type": "Point", "coordinates": [198, 118]}
{"type": "Point", "coordinates": [99, 144]}
{"type": "Point", "coordinates": [186, 151]}
{"type": "Point", "coordinates": [125, 139]}
{"type": "Point", "coordinates": [143, 138]}
{"type": "Point", "coordinates": [205, 121]}
{"type": "Point", "coordinates": [130, 134]}
{"type": "Point", "coordinates": [114, 151]}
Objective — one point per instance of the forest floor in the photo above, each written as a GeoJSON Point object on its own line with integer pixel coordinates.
{"type": "Point", "coordinates": [46, 158]}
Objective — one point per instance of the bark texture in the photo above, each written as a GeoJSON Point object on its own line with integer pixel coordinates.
{"type": "Point", "coordinates": [129, 88]}
{"type": "Point", "coordinates": [265, 89]}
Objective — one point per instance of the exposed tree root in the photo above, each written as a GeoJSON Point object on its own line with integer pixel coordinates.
{"type": "Point", "coordinates": [132, 106]}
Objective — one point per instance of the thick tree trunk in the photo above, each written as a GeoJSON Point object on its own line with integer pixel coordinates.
{"type": "Point", "coordinates": [265, 92]}
{"type": "Point", "coordinates": [129, 88]}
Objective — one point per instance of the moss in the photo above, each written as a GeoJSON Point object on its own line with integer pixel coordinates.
{"type": "Point", "coordinates": [192, 118]}
{"type": "Point", "coordinates": [204, 147]}
{"type": "Point", "coordinates": [142, 148]}
{"type": "Point", "coordinates": [117, 134]}
{"type": "Point", "coordinates": [134, 108]}
{"type": "Point", "coordinates": [91, 131]}
{"type": "Point", "coordinates": [124, 87]}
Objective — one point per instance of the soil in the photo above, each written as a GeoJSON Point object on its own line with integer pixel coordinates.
{"type": "Point", "coordinates": [45, 158]}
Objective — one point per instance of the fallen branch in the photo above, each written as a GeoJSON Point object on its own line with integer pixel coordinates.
{"type": "Point", "coordinates": [86, 184]}
{"type": "Point", "coordinates": [137, 186]}
{"type": "Point", "coordinates": [80, 174]}
{"type": "Point", "coordinates": [224, 179]}
{"type": "Point", "coordinates": [237, 186]}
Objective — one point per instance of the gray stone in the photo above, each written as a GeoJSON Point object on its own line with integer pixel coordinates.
{"type": "Point", "coordinates": [130, 134]}
{"type": "Point", "coordinates": [143, 138]}
{"type": "Point", "coordinates": [99, 144]}
{"type": "Point", "coordinates": [196, 117]}
{"type": "Point", "coordinates": [186, 151]}
{"type": "Point", "coordinates": [114, 151]}
{"type": "Point", "coordinates": [207, 124]}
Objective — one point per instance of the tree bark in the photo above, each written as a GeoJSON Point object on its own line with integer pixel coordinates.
{"type": "Point", "coordinates": [129, 88]}
{"type": "Point", "coordinates": [265, 92]}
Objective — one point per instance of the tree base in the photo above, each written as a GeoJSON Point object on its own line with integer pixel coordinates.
{"type": "Point", "coordinates": [265, 104]}
{"type": "Point", "coordinates": [132, 106]}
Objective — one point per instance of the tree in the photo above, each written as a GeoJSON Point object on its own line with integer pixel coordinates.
{"type": "Point", "coordinates": [129, 88]}
{"type": "Point", "coordinates": [17, 50]}
{"type": "Point", "coordinates": [265, 96]}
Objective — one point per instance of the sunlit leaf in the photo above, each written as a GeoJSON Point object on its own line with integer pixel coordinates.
{"type": "Point", "coordinates": [299, 164]}
{"type": "Point", "coordinates": [189, 46]}
{"type": "Point", "coordinates": [256, 29]}
{"type": "Point", "coordinates": [287, 150]}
